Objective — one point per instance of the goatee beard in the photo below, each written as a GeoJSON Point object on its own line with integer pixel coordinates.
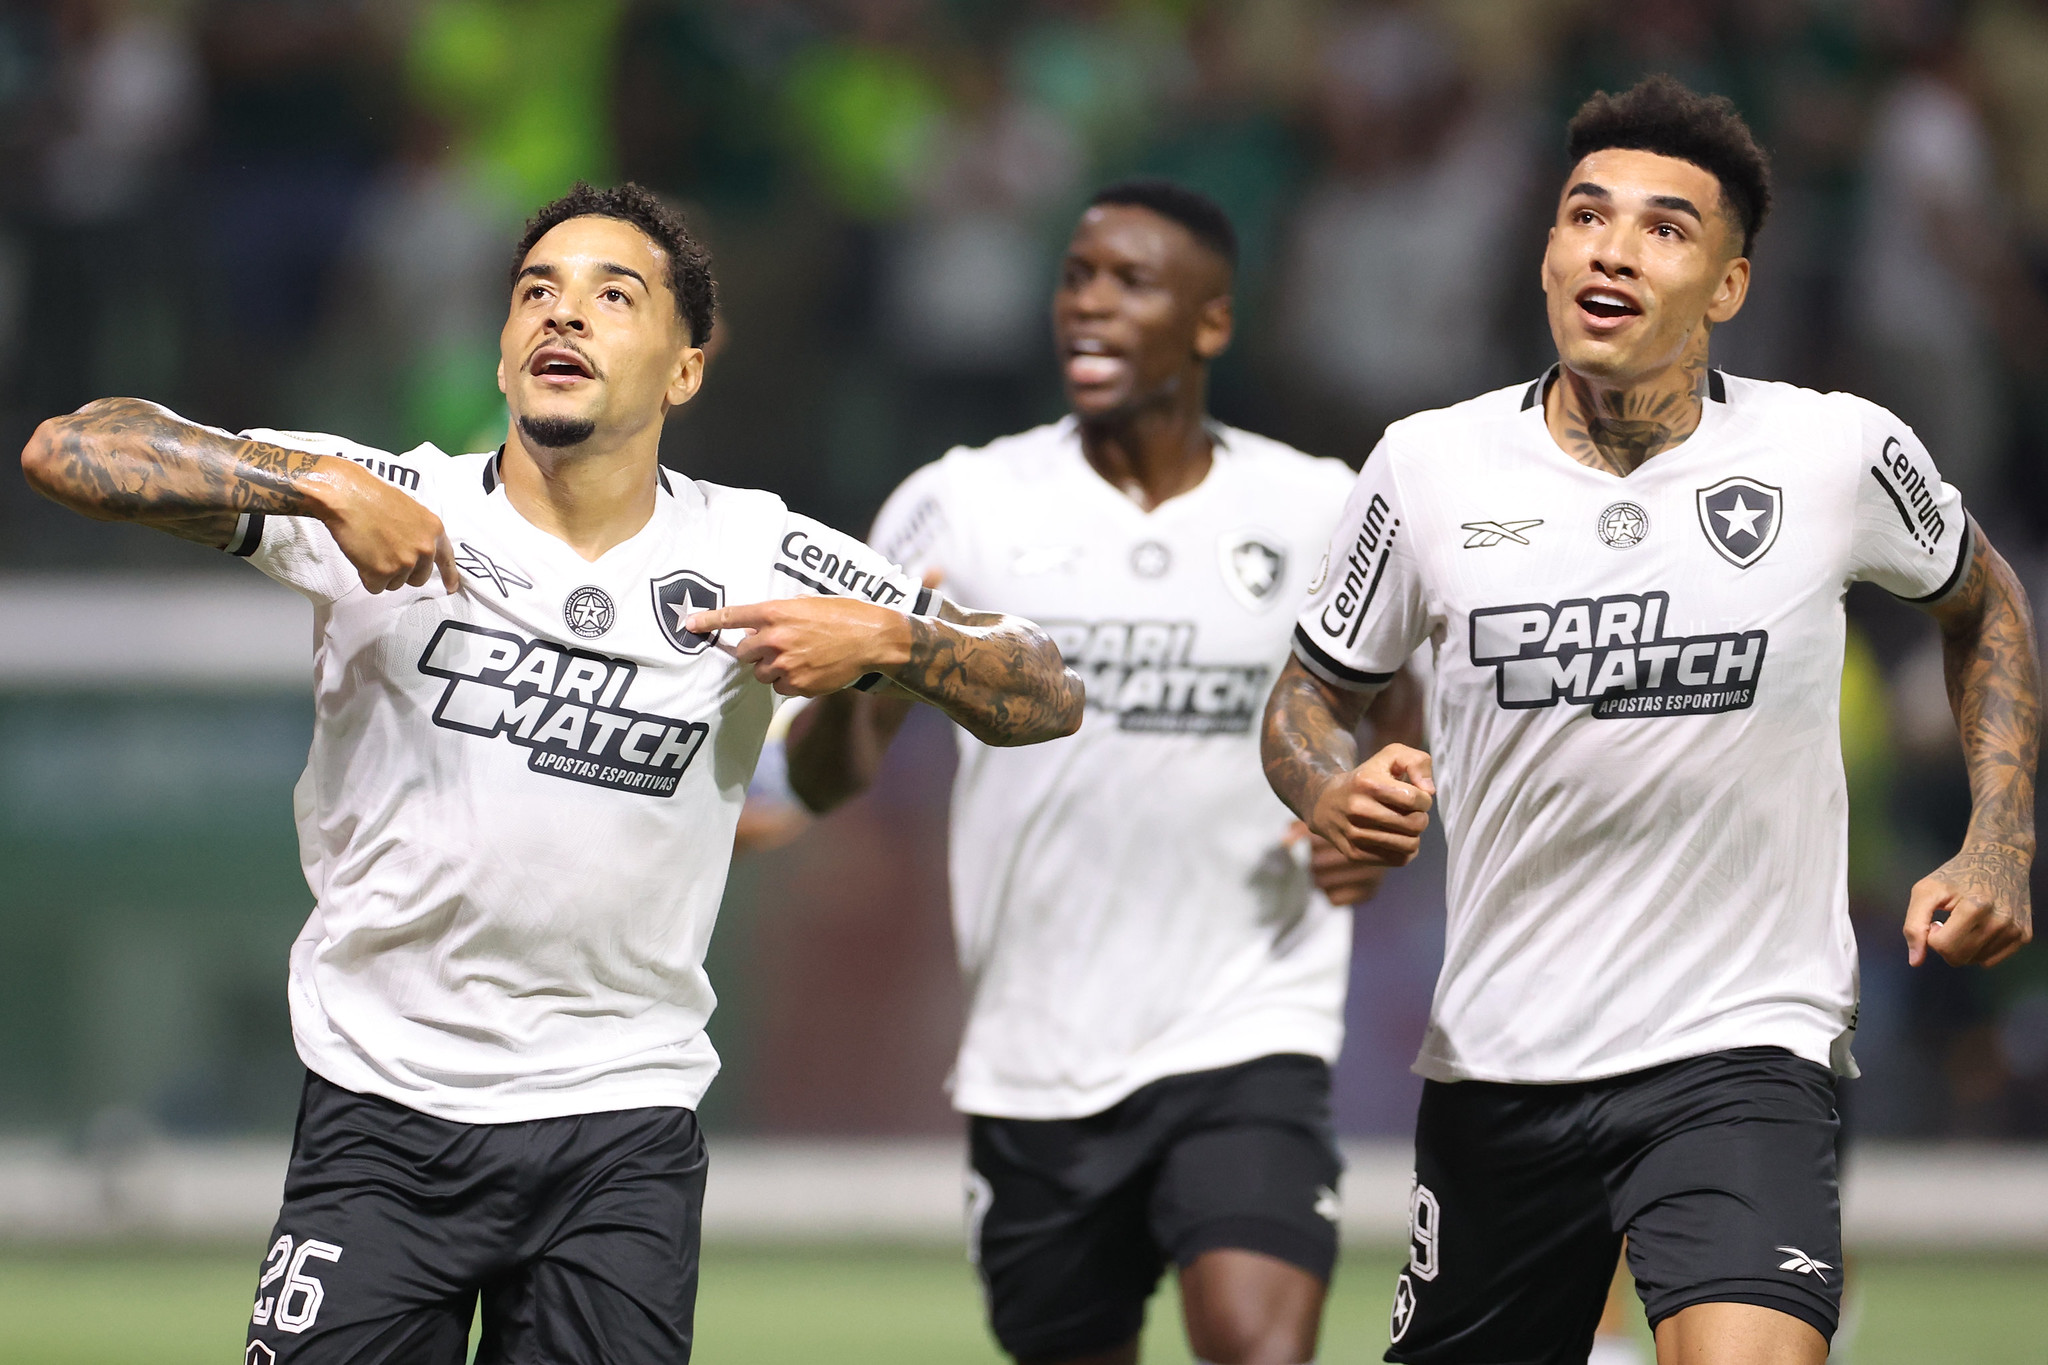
{"type": "Point", "coordinates": [557, 432]}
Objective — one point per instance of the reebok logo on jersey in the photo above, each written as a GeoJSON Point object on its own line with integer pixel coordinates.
{"type": "Point", "coordinates": [563, 704]}
{"type": "Point", "coordinates": [1803, 1264]}
{"type": "Point", "coordinates": [1911, 493]}
{"type": "Point", "coordinates": [1487, 534]}
{"type": "Point", "coordinates": [477, 564]}
{"type": "Point", "coordinates": [1139, 671]}
{"type": "Point", "coordinates": [1610, 654]}
{"type": "Point", "coordinates": [828, 573]}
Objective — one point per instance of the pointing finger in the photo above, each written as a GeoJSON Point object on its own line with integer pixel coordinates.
{"type": "Point", "coordinates": [752, 616]}
{"type": "Point", "coordinates": [444, 555]}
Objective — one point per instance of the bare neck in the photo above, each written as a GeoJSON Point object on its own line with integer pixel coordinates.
{"type": "Point", "coordinates": [1152, 455]}
{"type": "Point", "coordinates": [1617, 427]}
{"type": "Point", "coordinates": [589, 500]}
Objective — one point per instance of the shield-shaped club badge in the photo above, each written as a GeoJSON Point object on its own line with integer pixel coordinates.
{"type": "Point", "coordinates": [679, 595]}
{"type": "Point", "coordinates": [1253, 567]}
{"type": "Point", "coordinates": [1741, 518]}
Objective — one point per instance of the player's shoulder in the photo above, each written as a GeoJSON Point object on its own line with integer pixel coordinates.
{"type": "Point", "coordinates": [726, 504]}
{"type": "Point", "coordinates": [973, 486]}
{"type": "Point", "coordinates": [1021, 457]}
{"type": "Point", "coordinates": [1442, 438]}
{"type": "Point", "coordinates": [1817, 423]}
{"type": "Point", "coordinates": [1277, 463]}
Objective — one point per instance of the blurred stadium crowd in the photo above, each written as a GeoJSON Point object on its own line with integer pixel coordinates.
{"type": "Point", "coordinates": [297, 213]}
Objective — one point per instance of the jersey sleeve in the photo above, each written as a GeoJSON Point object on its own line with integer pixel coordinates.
{"type": "Point", "coordinates": [300, 552]}
{"type": "Point", "coordinates": [1911, 536]}
{"type": "Point", "coordinates": [915, 528]}
{"type": "Point", "coordinates": [814, 560]}
{"type": "Point", "coordinates": [1366, 609]}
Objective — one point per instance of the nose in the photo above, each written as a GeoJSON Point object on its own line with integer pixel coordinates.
{"type": "Point", "coordinates": [566, 316]}
{"type": "Point", "coordinates": [1613, 257]}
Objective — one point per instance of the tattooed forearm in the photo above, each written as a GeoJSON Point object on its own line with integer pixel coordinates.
{"type": "Point", "coordinates": [999, 677]}
{"type": "Point", "coordinates": [1618, 429]}
{"type": "Point", "coordinates": [121, 459]}
{"type": "Point", "coordinates": [1994, 688]}
{"type": "Point", "coordinates": [1310, 736]}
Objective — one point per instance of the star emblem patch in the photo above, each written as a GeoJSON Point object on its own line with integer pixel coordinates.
{"type": "Point", "coordinates": [678, 597]}
{"type": "Point", "coordinates": [1741, 517]}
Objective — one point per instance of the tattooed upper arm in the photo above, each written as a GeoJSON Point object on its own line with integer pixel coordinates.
{"type": "Point", "coordinates": [122, 459]}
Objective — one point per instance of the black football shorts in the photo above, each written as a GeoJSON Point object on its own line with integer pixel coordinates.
{"type": "Point", "coordinates": [1720, 1170]}
{"type": "Point", "coordinates": [1074, 1220]}
{"type": "Point", "coordinates": [580, 1235]}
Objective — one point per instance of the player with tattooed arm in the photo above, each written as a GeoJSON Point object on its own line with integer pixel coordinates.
{"type": "Point", "coordinates": [542, 678]}
{"type": "Point", "coordinates": [1155, 956]}
{"type": "Point", "coordinates": [1631, 573]}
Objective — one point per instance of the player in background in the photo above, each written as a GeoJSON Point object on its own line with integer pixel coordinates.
{"type": "Point", "coordinates": [542, 677]}
{"type": "Point", "coordinates": [1649, 980]}
{"type": "Point", "coordinates": [1155, 982]}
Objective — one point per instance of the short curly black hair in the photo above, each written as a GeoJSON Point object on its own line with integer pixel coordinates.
{"type": "Point", "coordinates": [1202, 216]}
{"type": "Point", "coordinates": [689, 264]}
{"type": "Point", "coordinates": [1659, 114]}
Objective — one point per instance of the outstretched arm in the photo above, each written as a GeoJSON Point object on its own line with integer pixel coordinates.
{"type": "Point", "coordinates": [1994, 688]}
{"type": "Point", "coordinates": [999, 677]}
{"type": "Point", "coordinates": [1373, 811]}
{"type": "Point", "coordinates": [121, 459]}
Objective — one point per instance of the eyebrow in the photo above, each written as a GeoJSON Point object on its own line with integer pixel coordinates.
{"type": "Point", "coordinates": [1677, 203]}
{"type": "Point", "coordinates": [547, 272]}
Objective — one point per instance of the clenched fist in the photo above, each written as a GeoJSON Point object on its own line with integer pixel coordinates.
{"type": "Point", "coordinates": [1376, 812]}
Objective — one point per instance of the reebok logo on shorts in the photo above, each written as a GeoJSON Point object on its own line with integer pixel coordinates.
{"type": "Point", "coordinates": [1805, 1264]}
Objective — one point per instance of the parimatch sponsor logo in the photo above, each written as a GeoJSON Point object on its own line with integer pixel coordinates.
{"type": "Point", "coordinates": [563, 705]}
{"type": "Point", "coordinates": [1140, 671]}
{"type": "Point", "coordinates": [1610, 654]}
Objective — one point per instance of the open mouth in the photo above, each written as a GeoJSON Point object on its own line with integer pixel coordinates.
{"type": "Point", "coordinates": [1608, 304]}
{"type": "Point", "coordinates": [1091, 361]}
{"type": "Point", "coordinates": [559, 362]}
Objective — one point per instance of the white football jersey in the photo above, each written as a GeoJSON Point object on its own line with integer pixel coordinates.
{"type": "Point", "coordinates": [1633, 713]}
{"type": "Point", "coordinates": [518, 812]}
{"type": "Point", "coordinates": [1123, 904]}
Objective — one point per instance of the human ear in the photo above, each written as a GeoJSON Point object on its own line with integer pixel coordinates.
{"type": "Point", "coordinates": [1213, 327]}
{"type": "Point", "coordinates": [1730, 294]}
{"type": "Point", "coordinates": [686, 379]}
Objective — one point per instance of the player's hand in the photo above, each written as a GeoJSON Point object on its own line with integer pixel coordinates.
{"type": "Point", "coordinates": [1976, 908]}
{"type": "Point", "coordinates": [1377, 812]}
{"type": "Point", "coordinates": [1346, 881]}
{"type": "Point", "coordinates": [809, 646]}
{"type": "Point", "coordinates": [392, 540]}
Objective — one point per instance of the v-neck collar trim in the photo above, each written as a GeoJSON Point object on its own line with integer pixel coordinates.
{"type": "Point", "coordinates": [1220, 448]}
{"type": "Point", "coordinates": [1712, 412]}
{"type": "Point", "coordinates": [494, 476]}
{"type": "Point", "coordinates": [494, 483]}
